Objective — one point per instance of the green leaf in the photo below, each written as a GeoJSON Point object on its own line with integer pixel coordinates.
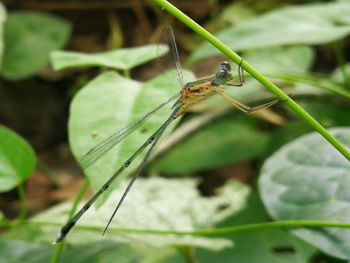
{"type": "Point", "coordinates": [124, 254]}
{"type": "Point", "coordinates": [287, 133]}
{"type": "Point", "coordinates": [17, 159]}
{"type": "Point", "coordinates": [226, 141]}
{"type": "Point", "coordinates": [235, 13]}
{"type": "Point", "coordinates": [19, 251]}
{"type": "Point", "coordinates": [282, 59]}
{"type": "Point", "coordinates": [154, 204]}
{"type": "Point", "coordinates": [16, 251]}
{"type": "Point", "coordinates": [329, 115]}
{"type": "Point", "coordinates": [273, 245]}
{"type": "Point", "coordinates": [91, 252]}
{"type": "Point", "coordinates": [107, 104]}
{"type": "Point", "coordinates": [2, 20]}
{"type": "Point", "coordinates": [312, 24]}
{"type": "Point", "coordinates": [122, 59]}
{"type": "Point", "coordinates": [145, 255]}
{"type": "Point", "coordinates": [13, 251]}
{"type": "Point", "coordinates": [308, 179]}
{"type": "Point", "coordinates": [29, 38]}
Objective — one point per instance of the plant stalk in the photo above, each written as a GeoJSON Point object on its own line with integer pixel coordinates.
{"type": "Point", "coordinates": [286, 224]}
{"type": "Point", "coordinates": [59, 247]}
{"type": "Point", "coordinates": [23, 202]}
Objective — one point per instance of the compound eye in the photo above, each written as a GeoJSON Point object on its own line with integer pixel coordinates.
{"type": "Point", "coordinates": [225, 66]}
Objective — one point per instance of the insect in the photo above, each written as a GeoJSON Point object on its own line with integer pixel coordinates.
{"type": "Point", "coordinates": [191, 93]}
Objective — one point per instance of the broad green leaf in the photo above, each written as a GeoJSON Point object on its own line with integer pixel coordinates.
{"type": "Point", "coordinates": [107, 104]}
{"type": "Point", "coordinates": [16, 251]}
{"type": "Point", "coordinates": [13, 251]}
{"type": "Point", "coordinates": [235, 13]}
{"type": "Point", "coordinates": [29, 38]}
{"type": "Point", "coordinates": [226, 141]}
{"type": "Point", "coordinates": [19, 251]}
{"type": "Point", "coordinates": [2, 20]}
{"type": "Point", "coordinates": [281, 59]}
{"type": "Point", "coordinates": [308, 179]}
{"type": "Point", "coordinates": [145, 255]}
{"type": "Point", "coordinates": [124, 254]}
{"type": "Point", "coordinates": [312, 24]}
{"type": "Point", "coordinates": [273, 245]}
{"type": "Point", "coordinates": [17, 159]}
{"type": "Point", "coordinates": [287, 133]}
{"type": "Point", "coordinates": [329, 115]}
{"type": "Point", "coordinates": [158, 204]}
{"type": "Point", "coordinates": [122, 59]}
{"type": "Point", "coordinates": [91, 252]}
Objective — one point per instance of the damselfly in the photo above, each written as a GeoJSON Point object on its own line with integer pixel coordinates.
{"type": "Point", "coordinates": [190, 93]}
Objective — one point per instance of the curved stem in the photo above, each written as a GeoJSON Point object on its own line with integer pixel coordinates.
{"type": "Point", "coordinates": [311, 80]}
{"type": "Point", "coordinates": [59, 247]}
{"type": "Point", "coordinates": [188, 254]}
{"type": "Point", "coordinates": [256, 74]}
{"type": "Point", "coordinates": [80, 194]}
{"type": "Point", "coordinates": [23, 202]}
{"type": "Point", "coordinates": [287, 224]}
{"type": "Point", "coordinates": [57, 253]}
{"type": "Point", "coordinates": [126, 73]}
{"type": "Point", "coordinates": [244, 228]}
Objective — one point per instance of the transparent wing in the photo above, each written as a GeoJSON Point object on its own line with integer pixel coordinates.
{"type": "Point", "coordinates": [156, 139]}
{"type": "Point", "coordinates": [107, 144]}
{"type": "Point", "coordinates": [170, 61]}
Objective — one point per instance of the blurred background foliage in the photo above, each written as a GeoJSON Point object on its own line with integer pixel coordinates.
{"type": "Point", "coordinates": [74, 72]}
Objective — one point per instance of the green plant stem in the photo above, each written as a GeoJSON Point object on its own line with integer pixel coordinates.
{"type": "Point", "coordinates": [339, 55]}
{"type": "Point", "coordinates": [188, 253]}
{"type": "Point", "coordinates": [59, 247]}
{"type": "Point", "coordinates": [311, 80]}
{"type": "Point", "coordinates": [57, 253]}
{"type": "Point", "coordinates": [127, 73]}
{"type": "Point", "coordinates": [80, 194]}
{"type": "Point", "coordinates": [243, 228]}
{"type": "Point", "coordinates": [23, 202]}
{"type": "Point", "coordinates": [254, 73]}
{"type": "Point", "coordinates": [287, 224]}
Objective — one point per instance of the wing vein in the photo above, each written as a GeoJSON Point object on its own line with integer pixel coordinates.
{"type": "Point", "coordinates": [110, 142]}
